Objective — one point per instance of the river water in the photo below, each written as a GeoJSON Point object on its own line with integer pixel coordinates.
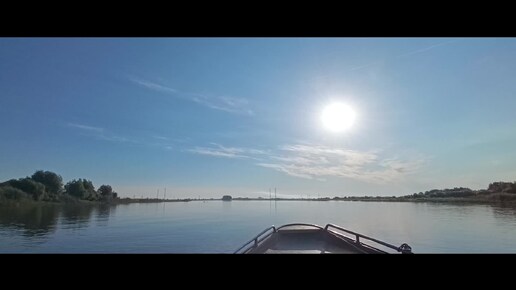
{"type": "Point", "coordinates": [222, 227]}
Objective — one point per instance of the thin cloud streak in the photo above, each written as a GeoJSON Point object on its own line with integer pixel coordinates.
{"type": "Point", "coordinates": [417, 51]}
{"type": "Point", "coordinates": [106, 135]}
{"type": "Point", "coordinates": [100, 133]}
{"type": "Point", "coordinates": [228, 152]}
{"type": "Point", "coordinates": [222, 103]}
{"type": "Point", "coordinates": [227, 104]}
{"type": "Point", "coordinates": [215, 152]}
{"type": "Point", "coordinates": [153, 86]}
{"type": "Point", "coordinates": [426, 48]}
{"type": "Point", "coordinates": [85, 127]}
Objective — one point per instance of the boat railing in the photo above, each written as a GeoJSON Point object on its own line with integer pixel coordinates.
{"type": "Point", "coordinates": [256, 240]}
{"type": "Point", "coordinates": [404, 248]}
{"type": "Point", "coordinates": [300, 224]}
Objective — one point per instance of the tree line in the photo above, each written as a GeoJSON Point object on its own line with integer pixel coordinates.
{"type": "Point", "coordinates": [48, 186]}
{"type": "Point", "coordinates": [495, 187]}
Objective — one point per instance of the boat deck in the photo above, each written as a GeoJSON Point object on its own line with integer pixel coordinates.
{"type": "Point", "coordinates": [303, 238]}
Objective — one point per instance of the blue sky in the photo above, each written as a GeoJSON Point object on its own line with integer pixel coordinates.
{"type": "Point", "coordinates": [212, 116]}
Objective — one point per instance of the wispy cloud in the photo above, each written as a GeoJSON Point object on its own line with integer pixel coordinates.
{"type": "Point", "coordinates": [115, 138]}
{"type": "Point", "coordinates": [153, 86]}
{"type": "Point", "coordinates": [216, 152]}
{"type": "Point", "coordinates": [319, 162]}
{"type": "Point", "coordinates": [227, 104]}
{"type": "Point", "coordinates": [413, 52]}
{"type": "Point", "coordinates": [320, 154]}
{"type": "Point", "coordinates": [155, 141]}
{"type": "Point", "coordinates": [160, 137]}
{"type": "Point", "coordinates": [228, 152]}
{"type": "Point", "coordinates": [85, 127]}
{"type": "Point", "coordinates": [100, 133]}
{"type": "Point", "coordinates": [221, 103]}
{"type": "Point", "coordinates": [427, 48]}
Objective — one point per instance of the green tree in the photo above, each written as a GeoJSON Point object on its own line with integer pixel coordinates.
{"type": "Point", "coordinates": [75, 188]}
{"type": "Point", "coordinates": [106, 193]}
{"type": "Point", "coordinates": [82, 189]}
{"type": "Point", "coordinates": [53, 182]}
{"type": "Point", "coordinates": [91, 193]}
{"type": "Point", "coordinates": [29, 186]}
{"type": "Point", "coordinates": [10, 193]}
{"type": "Point", "coordinates": [105, 190]}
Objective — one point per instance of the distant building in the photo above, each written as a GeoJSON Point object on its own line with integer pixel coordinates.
{"type": "Point", "coordinates": [227, 198]}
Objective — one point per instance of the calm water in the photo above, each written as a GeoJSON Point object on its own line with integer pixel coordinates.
{"type": "Point", "coordinates": [221, 227]}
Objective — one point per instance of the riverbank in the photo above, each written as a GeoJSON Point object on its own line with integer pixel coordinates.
{"type": "Point", "coordinates": [506, 198]}
{"type": "Point", "coordinates": [491, 198]}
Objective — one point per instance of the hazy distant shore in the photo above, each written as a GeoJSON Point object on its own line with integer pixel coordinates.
{"type": "Point", "coordinates": [492, 198]}
{"type": "Point", "coordinates": [489, 199]}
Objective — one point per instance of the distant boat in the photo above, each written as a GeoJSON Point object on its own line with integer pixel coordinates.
{"type": "Point", "coordinates": [227, 198]}
{"type": "Point", "coordinates": [313, 239]}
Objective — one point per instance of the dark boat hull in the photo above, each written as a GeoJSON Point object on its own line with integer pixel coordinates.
{"type": "Point", "coordinates": [313, 239]}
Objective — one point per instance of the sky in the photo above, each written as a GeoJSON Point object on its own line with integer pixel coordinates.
{"type": "Point", "coordinates": [204, 117]}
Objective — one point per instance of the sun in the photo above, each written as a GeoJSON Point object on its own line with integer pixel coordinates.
{"type": "Point", "coordinates": [338, 117]}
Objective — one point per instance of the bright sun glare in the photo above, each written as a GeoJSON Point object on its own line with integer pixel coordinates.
{"type": "Point", "coordinates": [338, 117]}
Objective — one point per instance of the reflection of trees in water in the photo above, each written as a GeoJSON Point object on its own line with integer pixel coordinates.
{"type": "Point", "coordinates": [457, 208]}
{"type": "Point", "coordinates": [76, 216]}
{"type": "Point", "coordinates": [505, 211]}
{"type": "Point", "coordinates": [500, 210]}
{"type": "Point", "coordinates": [40, 220]}
{"type": "Point", "coordinates": [103, 212]}
{"type": "Point", "coordinates": [34, 220]}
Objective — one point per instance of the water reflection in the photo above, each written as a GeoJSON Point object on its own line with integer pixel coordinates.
{"type": "Point", "coordinates": [505, 212]}
{"type": "Point", "coordinates": [103, 212]}
{"type": "Point", "coordinates": [76, 216]}
{"type": "Point", "coordinates": [40, 220]}
{"type": "Point", "coordinates": [31, 220]}
{"type": "Point", "coordinates": [218, 226]}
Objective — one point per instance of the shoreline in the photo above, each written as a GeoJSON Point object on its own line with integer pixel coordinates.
{"type": "Point", "coordinates": [495, 198]}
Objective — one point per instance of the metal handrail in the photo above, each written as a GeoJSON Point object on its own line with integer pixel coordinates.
{"type": "Point", "coordinates": [300, 224]}
{"type": "Point", "coordinates": [256, 239]}
{"type": "Point", "coordinates": [404, 248]}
